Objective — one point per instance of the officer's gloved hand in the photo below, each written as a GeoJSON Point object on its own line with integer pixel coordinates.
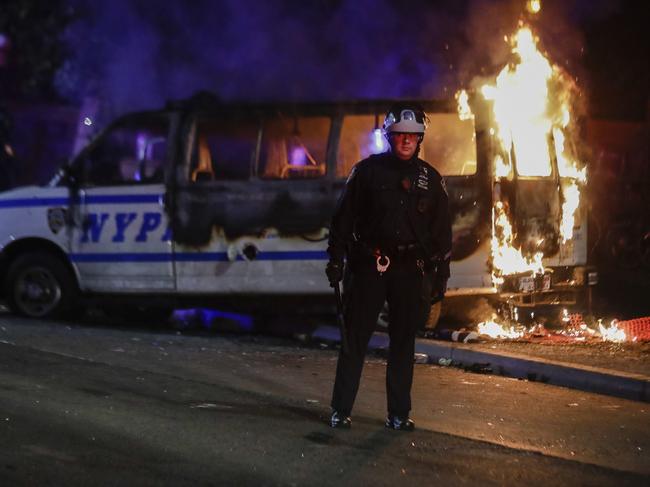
{"type": "Point", "coordinates": [439, 289]}
{"type": "Point", "coordinates": [334, 271]}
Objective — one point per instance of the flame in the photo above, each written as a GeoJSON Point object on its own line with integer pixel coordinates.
{"type": "Point", "coordinates": [571, 202]}
{"type": "Point", "coordinates": [531, 103]}
{"type": "Point", "coordinates": [611, 333]}
{"type": "Point", "coordinates": [493, 329]}
{"type": "Point", "coordinates": [574, 328]}
{"type": "Point", "coordinates": [520, 106]}
{"type": "Point", "coordinates": [502, 168]}
{"type": "Point", "coordinates": [506, 259]}
{"type": "Point", "coordinates": [464, 111]}
{"type": "Point", "coordinates": [534, 6]}
{"type": "Point", "coordinates": [565, 164]}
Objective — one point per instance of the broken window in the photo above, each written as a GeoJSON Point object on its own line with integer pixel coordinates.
{"type": "Point", "coordinates": [133, 151]}
{"type": "Point", "coordinates": [361, 136]}
{"type": "Point", "coordinates": [223, 150]}
{"type": "Point", "coordinates": [294, 148]}
{"type": "Point", "coordinates": [449, 145]}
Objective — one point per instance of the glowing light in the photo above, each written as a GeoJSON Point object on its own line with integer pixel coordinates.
{"type": "Point", "coordinates": [534, 6]}
{"type": "Point", "coordinates": [464, 111]}
{"type": "Point", "coordinates": [379, 141]}
{"type": "Point", "coordinates": [298, 157]}
{"type": "Point", "coordinates": [88, 121]}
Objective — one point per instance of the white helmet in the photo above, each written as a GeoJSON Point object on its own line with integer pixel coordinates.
{"type": "Point", "coordinates": [405, 118]}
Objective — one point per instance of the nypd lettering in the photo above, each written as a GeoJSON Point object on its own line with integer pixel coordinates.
{"type": "Point", "coordinates": [120, 227]}
{"type": "Point", "coordinates": [122, 221]}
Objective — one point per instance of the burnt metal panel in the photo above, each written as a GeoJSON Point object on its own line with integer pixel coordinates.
{"type": "Point", "coordinates": [296, 207]}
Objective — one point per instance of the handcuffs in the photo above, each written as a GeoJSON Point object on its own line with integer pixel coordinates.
{"type": "Point", "coordinates": [383, 262]}
{"type": "Point", "coordinates": [382, 267]}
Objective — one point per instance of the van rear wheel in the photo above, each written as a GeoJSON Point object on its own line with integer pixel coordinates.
{"type": "Point", "coordinates": [39, 285]}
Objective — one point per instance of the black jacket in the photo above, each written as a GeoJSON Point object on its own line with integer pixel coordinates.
{"type": "Point", "coordinates": [378, 197]}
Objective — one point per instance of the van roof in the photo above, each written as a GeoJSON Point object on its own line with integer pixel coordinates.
{"type": "Point", "coordinates": [206, 102]}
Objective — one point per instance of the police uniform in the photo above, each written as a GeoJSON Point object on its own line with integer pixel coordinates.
{"type": "Point", "coordinates": [397, 209]}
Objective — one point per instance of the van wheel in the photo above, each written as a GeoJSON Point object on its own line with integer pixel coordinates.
{"type": "Point", "coordinates": [40, 286]}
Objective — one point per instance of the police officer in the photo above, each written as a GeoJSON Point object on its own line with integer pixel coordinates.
{"type": "Point", "coordinates": [392, 226]}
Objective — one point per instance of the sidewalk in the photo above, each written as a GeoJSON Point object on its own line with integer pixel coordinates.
{"type": "Point", "coordinates": [480, 357]}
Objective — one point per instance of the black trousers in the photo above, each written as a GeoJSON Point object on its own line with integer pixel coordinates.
{"type": "Point", "coordinates": [402, 285]}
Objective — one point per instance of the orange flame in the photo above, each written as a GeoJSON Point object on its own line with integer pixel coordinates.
{"type": "Point", "coordinates": [531, 102]}
{"type": "Point", "coordinates": [506, 259]}
{"type": "Point", "coordinates": [494, 329]}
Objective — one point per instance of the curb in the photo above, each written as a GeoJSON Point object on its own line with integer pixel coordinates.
{"type": "Point", "coordinates": [590, 379]}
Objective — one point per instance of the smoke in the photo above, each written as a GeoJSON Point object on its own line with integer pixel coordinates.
{"type": "Point", "coordinates": [560, 26]}
{"type": "Point", "coordinates": [136, 54]}
{"type": "Point", "coordinates": [133, 54]}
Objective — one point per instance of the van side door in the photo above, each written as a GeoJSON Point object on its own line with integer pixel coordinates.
{"type": "Point", "coordinates": [120, 240]}
{"type": "Point", "coordinates": [214, 203]}
{"type": "Point", "coordinates": [252, 205]}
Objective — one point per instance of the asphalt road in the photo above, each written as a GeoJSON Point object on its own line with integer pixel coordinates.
{"type": "Point", "coordinates": [110, 405]}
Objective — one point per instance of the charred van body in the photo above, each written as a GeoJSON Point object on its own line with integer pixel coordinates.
{"type": "Point", "coordinates": [229, 204]}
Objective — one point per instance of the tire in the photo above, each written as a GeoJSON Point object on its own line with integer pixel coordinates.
{"type": "Point", "coordinates": [39, 285]}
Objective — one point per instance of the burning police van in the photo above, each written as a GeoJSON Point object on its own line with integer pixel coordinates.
{"type": "Point", "coordinates": [229, 204]}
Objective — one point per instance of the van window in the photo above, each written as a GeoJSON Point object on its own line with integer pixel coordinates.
{"type": "Point", "coordinates": [223, 150]}
{"type": "Point", "coordinates": [294, 148]}
{"type": "Point", "coordinates": [449, 145]}
{"type": "Point", "coordinates": [132, 152]}
{"type": "Point", "coordinates": [361, 136]}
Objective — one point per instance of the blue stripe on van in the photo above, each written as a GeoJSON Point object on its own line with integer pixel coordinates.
{"type": "Point", "coordinates": [123, 198]}
{"type": "Point", "coordinates": [29, 202]}
{"type": "Point", "coordinates": [195, 256]}
{"type": "Point", "coordinates": [122, 257]}
{"type": "Point", "coordinates": [94, 199]}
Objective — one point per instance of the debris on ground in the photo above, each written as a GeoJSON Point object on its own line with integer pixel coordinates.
{"type": "Point", "coordinates": [574, 328]}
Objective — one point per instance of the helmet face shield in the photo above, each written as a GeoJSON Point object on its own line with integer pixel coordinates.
{"type": "Point", "coordinates": [405, 119]}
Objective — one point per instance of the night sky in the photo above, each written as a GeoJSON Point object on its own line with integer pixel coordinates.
{"type": "Point", "coordinates": [137, 53]}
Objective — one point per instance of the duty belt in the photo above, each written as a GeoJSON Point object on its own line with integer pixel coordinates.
{"type": "Point", "coordinates": [384, 254]}
{"type": "Point", "coordinates": [398, 251]}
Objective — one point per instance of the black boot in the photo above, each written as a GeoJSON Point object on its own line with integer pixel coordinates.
{"type": "Point", "coordinates": [402, 423]}
{"type": "Point", "coordinates": [338, 420]}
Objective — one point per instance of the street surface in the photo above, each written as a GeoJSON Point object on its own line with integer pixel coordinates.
{"type": "Point", "coordinates": [105, 404]}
